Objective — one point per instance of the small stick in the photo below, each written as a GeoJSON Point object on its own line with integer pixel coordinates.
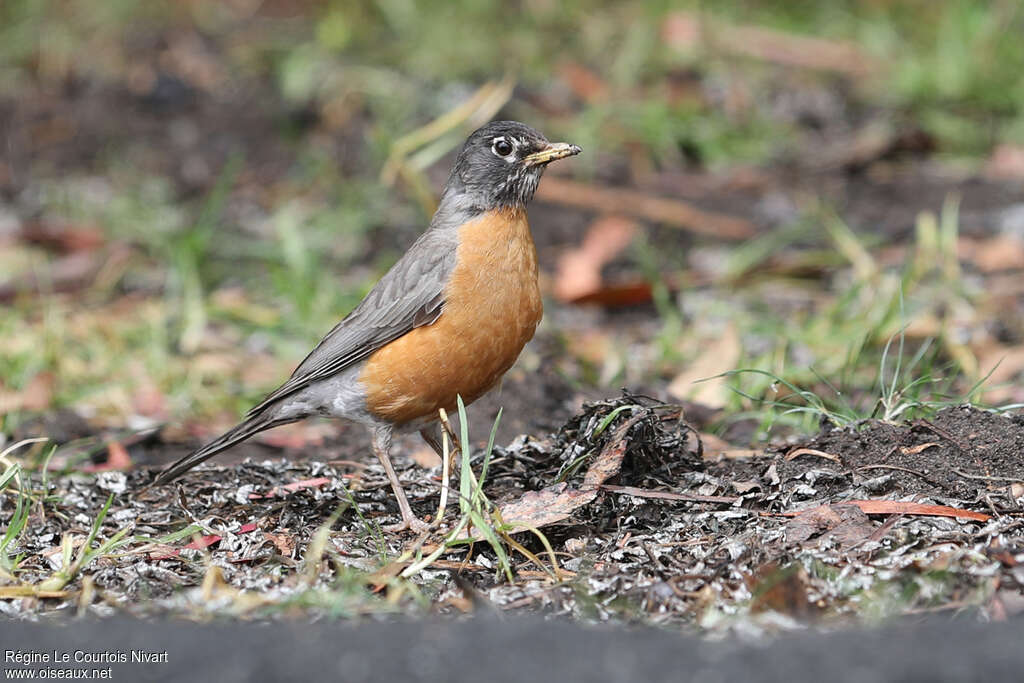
{"type": "Point", "coordinates": [933, 482]}
{"type": "Point", "coordinates": [446, 468]}
{"type": "Point", "coordinates": [982, 478]}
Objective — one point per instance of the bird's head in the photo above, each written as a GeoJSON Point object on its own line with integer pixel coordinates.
{"type": "Point", "coordinates": [500, 165]}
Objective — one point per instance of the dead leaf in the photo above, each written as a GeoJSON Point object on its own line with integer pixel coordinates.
{"type": "Point", "coordinates": [1001, 366]}
{"type": "Point", "coordinates": [704, 381]}
{"type": "Point", "coordinates": [618, 295]}
{"type": "Point", "coordinates": [920, 448]}
{"type": "Point", "coordinates": [898, 507]}
{"type": "Point", "coordinates": [64, 237]}
{"type": "Point", "coordinates": [425, 457]}
{"type": "Point", "coordinates": [780, 589]}
{"type": "Point", "coordinates": [117, 459]}
{"type": "Point", "coordinates": [584, 83]}
{"type": "Point", "coordinates": [284, 543]}
{"type": "Point", "coordinates": [536, 509]}
{"type": "Point", "coordinates": [811, 451]}
{"type": "Point", "coordinates": [1006, 162]}
{"type": "Point", "coordinates": [743, 487]}
{"type": "Point", "coordinates": [579, 270]}
{"type": "Point", "coordinates": [280, 491]}
{"type": "Point", "coordinates": [844, 522]}
{"type": "Point", "coordinates": [993, 254]}
{"type": "Point", "coordinates": [202, 542]}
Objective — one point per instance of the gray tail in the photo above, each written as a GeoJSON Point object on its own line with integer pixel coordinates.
{"type": "Point", "coordinates": [236, 434]}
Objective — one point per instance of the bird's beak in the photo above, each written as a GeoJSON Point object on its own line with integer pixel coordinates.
{"type": "Point", "coordinates": [553, 151]}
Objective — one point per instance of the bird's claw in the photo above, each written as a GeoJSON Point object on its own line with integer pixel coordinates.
{"type": "Point", "coordinates": [413, 524]}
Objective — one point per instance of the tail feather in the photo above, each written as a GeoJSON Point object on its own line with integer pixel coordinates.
{"type": "Point", "coordinates": [236, 434]}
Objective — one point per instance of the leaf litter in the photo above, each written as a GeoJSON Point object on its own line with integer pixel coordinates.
{"type": "Point", "coordinates": [643, 525]}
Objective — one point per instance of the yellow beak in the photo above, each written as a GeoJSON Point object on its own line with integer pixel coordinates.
{"type": "Point", "coordinates": [554, 150]}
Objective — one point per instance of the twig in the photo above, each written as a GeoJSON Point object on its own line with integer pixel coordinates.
{"type": "Point", "coordinates": [928, 479]}
{"type": "Point", "coordinates": [944, 434]}
{"type": "Point", "coordinates": [985, 478]}
{"type": "Point", "coordinates": [668, 495]}
{"type": "Point", "coordinates": [673, 212]}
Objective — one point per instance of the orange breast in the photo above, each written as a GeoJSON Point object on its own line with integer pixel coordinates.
{"type": "Point", "coordinates": [492, 308]}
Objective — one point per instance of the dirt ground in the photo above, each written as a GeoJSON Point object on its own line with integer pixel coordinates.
{"type": "Point", "coordinates": [627, 489]}
{"type": "Point", "coordinates": [854, 524]}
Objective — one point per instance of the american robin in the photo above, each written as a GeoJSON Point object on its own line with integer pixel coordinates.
{"type": "Point", "coordinates": [449, 318]}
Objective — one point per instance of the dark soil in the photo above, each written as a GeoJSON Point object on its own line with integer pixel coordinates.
{"type": "Point", "coordinates": [960, 453]}
{"type": "Point", "coordinates": [669, 539]}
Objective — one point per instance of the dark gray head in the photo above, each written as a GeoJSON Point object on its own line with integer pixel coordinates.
{"type": "Point", "coordinates": [499, 167]}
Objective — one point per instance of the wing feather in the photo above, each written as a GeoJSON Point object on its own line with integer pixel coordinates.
{"type": "Point", "coordinates": [410, 295]}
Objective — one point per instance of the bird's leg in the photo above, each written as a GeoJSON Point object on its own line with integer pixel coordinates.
{"type": "Point", "coordinates": [381, 448]}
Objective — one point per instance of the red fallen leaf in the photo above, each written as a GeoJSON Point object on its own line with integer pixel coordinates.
{"type": "Point", "coordinates": [117, 459]}
{"type": "Point", "coordinates": [899, 507]}
{"type": "Point", "coordinates": [585, 84]}
{"type": "Point", "coordinates": [204, 542]}
{"type": "Point", "coordinates": [294, 486]}
{"type": "Point", "coordinates": [64, 237]}
{"type": "Point", "coordinates": [618, 295]}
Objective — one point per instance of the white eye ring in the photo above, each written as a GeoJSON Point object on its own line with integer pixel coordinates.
{"type": "Point", "coordinates": [503, 148]}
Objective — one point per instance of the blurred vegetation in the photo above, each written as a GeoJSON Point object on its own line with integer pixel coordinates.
{"type": "Point", "coordinates": [338, 82]}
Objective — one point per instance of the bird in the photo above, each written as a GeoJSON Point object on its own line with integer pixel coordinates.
{"type": "Point", "coordinates": [447, 320]}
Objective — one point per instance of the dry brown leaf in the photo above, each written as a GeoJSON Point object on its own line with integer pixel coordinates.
{"type": "Point", "coordinates": [1006, 162]}
{"type": "Point", "coordinates": [579, 271]}
{"type": "Point", "coordinates": [811, 451]}
{"type": "Point", "coordinates": [899, 507]}
{"type": "Point", "coordinates": [1002, 365]}
{"type": "Point", "coordinates": [584, 83]}
{"type": "Point", "coordinates": [117, 459]}
{"type": "Point", "coordinates": [425, 457]}
{"type": "Point", "coordinates": [552, 504]}
{"type": "Point", "coordinates": [285, 543]}
{"type": "Point", "coordinates": [782, 590]}
{"type": "Point", "coordinates": [738, 453]}
{"type": "Point", "coordinates": [703, 380]}
{"type": "Point", "coordinates": [914, 450]}
{"type": "Point", "coordinates": [993, 254]}
{"type": "Point", "coordinates": [63, 236]}
{"type": "Point", "coordinates": [284, 490]}
{"type": "Point", "coordinates": [846, 523]}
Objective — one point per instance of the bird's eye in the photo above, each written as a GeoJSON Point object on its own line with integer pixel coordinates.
{"type": "Point", "coordinates": [502, 147]}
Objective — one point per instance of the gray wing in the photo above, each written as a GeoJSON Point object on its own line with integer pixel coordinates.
{"type": "Point", "coordinates": [409, 295]}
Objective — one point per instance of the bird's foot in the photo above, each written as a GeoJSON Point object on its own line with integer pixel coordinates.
{"type": "Point", "coordinates": [412, 523]}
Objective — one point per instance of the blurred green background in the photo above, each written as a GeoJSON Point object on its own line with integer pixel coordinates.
{"type": "Point", "coordinates": [192, 192]}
